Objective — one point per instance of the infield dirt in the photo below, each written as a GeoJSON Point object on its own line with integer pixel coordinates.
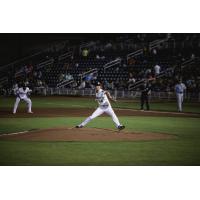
{"type": "Point", "coordinates": [78, 112]}
{"type": "Point", "coordinates": [84, 134]}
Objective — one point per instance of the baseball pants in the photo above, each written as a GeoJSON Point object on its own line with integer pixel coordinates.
{"type": "Point", "coordinates": [27, 100]}
{"type": "Point", "coordinates": [179, 97]}
{"type": "Point", "coordinates": [99, 111]}
{"type": "Point", "coordinates": [144, 99]}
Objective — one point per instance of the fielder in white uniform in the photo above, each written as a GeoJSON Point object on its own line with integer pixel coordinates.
{"type": "Point", "coordinates": [179, 90]}
{"type": "Point", "coordinates": [104, 107]}
{"type": "Point", "coordinates": [22, 94]}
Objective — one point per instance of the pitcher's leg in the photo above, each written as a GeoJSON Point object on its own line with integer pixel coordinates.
{"type": "Point", "coordinates": [16, 105]}
{"type": "Point", "coordinates": [95, 114]}
{"type": "Point", "coordinates": [115, 119]}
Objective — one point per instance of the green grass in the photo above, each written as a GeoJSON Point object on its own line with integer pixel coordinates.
{"type": "Point", "coordinates": [174, 152]}
{"type": "Point", "coordinates": [64, 102]}
{"type": "Point", "coordinates": [185, 150]}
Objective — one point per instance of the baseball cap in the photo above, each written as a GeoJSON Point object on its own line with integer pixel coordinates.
{"type": "Point", "coordinates": [98, 84]}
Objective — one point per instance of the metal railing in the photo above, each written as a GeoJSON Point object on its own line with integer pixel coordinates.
{"type": "Point", "coordinates": [152, 45]}
{"type": "Point", "coordinates": [162, 74]}
{"type": "Point", "coordinates": [18, 61]}
{"type": "Point", "coordinates": [65, 55]}
{"type": "Point", "coordinates": [112, 63]}
{"type": "Point", "coordinates": [156, 43]}
{"type": "Point", "coordinates": [3, 80]}
{"type": "Point", "coordinates": [187, 63]}
{"type": "Point", "coordinates": [64, 83]}
{"type": "Point", "coordinates": [134, 54]}
{"type": "Point", "coordinates": [86, 45]}
{"type": "Point", "coordinates": [45, 63]}
{"type": "Point", "coordinates": [88, 72]}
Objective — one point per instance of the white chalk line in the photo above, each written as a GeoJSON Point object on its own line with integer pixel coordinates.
{"type": "Point", "coordinates": [16, 133]}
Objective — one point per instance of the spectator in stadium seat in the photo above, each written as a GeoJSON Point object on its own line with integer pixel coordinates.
{"type": "Point", "coordinates": [74, 84]}
{"type": "Point", "coordinates": [68, 77]}
{"type": "Point", "coordinates": [61, 77]}
{"type": "Point", "coordinates": [39, 83]}
{"type": "Point", "coordinates": [131, 79]}
{"type": "Point", "coordinates": [147, 73]}
{"type": "Point", "coordinates": [192, 56]}
{"type": "Point", "coordinates": [26, 82]}
{"type": "Point", "coordinates": [39, 75]}
{"type": "Point", "coordinates": [154, 52]}
{"type": "Point", "coordinates": [35, 74]}
{"type": "Point", "coordinates": [82, 85]}
{"type": "Point", "coordinates": [77, 65]}
{"type": "Point", "coordinates": [85, 53]}
{"type": "Point", "coordinates": [157, 70]}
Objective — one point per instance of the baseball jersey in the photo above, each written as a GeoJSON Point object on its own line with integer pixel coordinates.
{"type": "Point", "coordinates": [146, 87]}
{"type": "Point", "coordinates": [23, 93]}
{"type": "Point", "coordinates": [179, 88]}
{"type": "Point", "coordinates": [102, 98]}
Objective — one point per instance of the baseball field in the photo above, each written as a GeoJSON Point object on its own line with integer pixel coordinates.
{"type": "Point", "coordinates": [48, 137]}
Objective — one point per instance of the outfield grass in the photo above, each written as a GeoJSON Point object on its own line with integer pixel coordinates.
{"type": "Point", "coordinates": [185, 150]}
{"type": "Point", "coordinates": [64, 102]}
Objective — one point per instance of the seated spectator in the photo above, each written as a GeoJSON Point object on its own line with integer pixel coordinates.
{"type": "Point", "coordinates": [157, 70]}
{"type": "Point", "coordinates": [82, 85]}
{"type": "Point", "coordinates": [154, 52]}
{"type": "Point", "coordinates": [68, 77]}
{"type": "Point", "coordinates": [85, 53]}
{"type": "Point", "coordinates": [74, 84]}
{"type": "Point", "coordinates": [192, 56]}
{"type": "Point", "coordinates": [89, 77]}
{"type": "Point", "coordinates": [131, 79]}
{"type": "Point", "coordinates": [35, 74]}
{"type": "Point", "coordinates": [39, 83]}
{"type": "Point", "coordinates": [106, 84]}
{"type": "Point", "coordinates": [61, 77]}
{"type": "Point", "coordinates": [147, 73]}
{"type": "Point", "coordinates": [26, 82]}
{"type": "Point", "coordinates": [110, 85]}
{"type": "Point", "coordinates": [39, 75]}
{"type": "Point", "coordinates": [97, 57]}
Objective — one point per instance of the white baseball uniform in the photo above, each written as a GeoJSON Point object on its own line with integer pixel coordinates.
{"type": "Point", "coordinates": [104, 107]}
{"type": "Point", "coordinates": [22, 95]}
{"type": "Point", "coordinates": [179, 89]}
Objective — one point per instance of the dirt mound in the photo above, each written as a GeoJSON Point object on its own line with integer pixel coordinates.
{"type": "Point", "coordinates": [84, 134]}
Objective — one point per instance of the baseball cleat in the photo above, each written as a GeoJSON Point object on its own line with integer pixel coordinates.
{"type": "Point", "coordinates": [121, 127]}
{"type": "Point", "coordinates": [30, 112]}
{"type": "Point", "coordinates": [79, 126]}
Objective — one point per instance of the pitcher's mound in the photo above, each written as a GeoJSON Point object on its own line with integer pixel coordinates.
{"type": "Point", "coordinates": [84, 134]}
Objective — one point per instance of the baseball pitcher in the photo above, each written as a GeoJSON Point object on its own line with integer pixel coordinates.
{"type": "Point", "coordinates": [104, 107]}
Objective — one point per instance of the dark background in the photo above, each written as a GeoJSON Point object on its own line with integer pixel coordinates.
{"type": "Point", "coordinates": [17, 45]}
